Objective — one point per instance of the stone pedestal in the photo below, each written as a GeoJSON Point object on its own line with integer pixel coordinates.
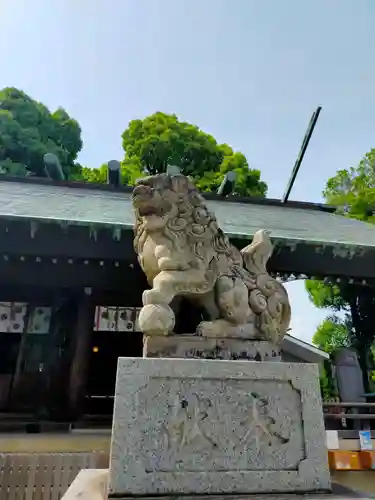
{"type": "Point", "coordinates": [92, 484]}
{"type": "Point", "coordinates": [195, 427]}
{"type": "Point", "coordinates": [192, 346]}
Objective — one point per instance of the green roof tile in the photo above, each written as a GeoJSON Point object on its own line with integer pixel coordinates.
{"type": "Point", "coordinates": [94, 206]}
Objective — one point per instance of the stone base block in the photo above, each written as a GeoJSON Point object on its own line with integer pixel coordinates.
{"type": "Point", "coordinates": [190, 346]}
{"type": "Point", "coordinates": [188, 426]}
{"type": "Point", "coordinates": [282, 496]}
{"type": "Point", "coordinates": [92, 484]}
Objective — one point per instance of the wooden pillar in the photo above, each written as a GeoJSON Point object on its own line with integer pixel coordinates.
{"type": "Point", "coordinates": [14, 386]}
{"type": "Point", "coordinates": [81, 352]}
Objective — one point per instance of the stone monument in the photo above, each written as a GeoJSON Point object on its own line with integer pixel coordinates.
{"type": "Point", "coordinates": [235, 419]}
{"type": "Point", "coordinates": [184, 253]}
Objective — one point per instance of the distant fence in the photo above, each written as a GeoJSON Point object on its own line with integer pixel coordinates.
{"type": "Point", "coordinates": [349, 415]}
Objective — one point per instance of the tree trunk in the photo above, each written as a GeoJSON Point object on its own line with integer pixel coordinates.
{"type": "Point", "coordinates": [361, 347]}
{"type": "Point", "coordinates": [363, 363]}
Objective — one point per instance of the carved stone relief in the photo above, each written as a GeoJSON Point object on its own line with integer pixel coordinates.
{"type": "Point", "coordinates": [184, 253]}
{"type": "Point", "coordinates": [197, 426]}
{"type": "Point", "coordinates": [185, 423]}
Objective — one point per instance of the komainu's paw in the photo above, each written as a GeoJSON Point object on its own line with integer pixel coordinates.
{"type": "Point", "coordinates": [156, 319]}
{"type": "Point", "coordinates": [214, 329]}
{"type": "Point", "coordinates": [153, 296]}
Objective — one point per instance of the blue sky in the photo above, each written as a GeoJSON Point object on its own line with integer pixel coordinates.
{"type": "Point", "coordinates": [250, 72]}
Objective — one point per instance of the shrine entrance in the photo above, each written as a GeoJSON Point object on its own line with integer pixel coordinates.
{"type": "Point", "coordinates": [58, 268]}
{"type": "Point", "coordinates": [114, 335]}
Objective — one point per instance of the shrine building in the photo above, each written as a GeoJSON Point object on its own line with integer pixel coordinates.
{"type": "Point", "coordinates": [71, 287]}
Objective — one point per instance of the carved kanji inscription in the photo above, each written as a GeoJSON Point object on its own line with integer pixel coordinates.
{"type": "Point", "coordinates": [260, 424]}
{"type": "Point", "coordinates": [186, 423]}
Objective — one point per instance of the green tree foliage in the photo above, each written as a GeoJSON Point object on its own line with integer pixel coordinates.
{"type": "Point", "coordinates": [325, 295]}
{"type": "Point", "coordinates": [357, 303]}
{"type": "Point", "coordinates": [327, 384]}
{"type": "Point", "coordinates": [95, 175]}
{"type": "Point", "coordinates": [28, 130]}
{"type": "Point", "coordinates": [352, 191]}
{"type": "Point", "coordinates": [160, 140]}
{"type": "Point", "coordinates": [130, 172]}
{"type": "Point", "coordinates": [332, 334]}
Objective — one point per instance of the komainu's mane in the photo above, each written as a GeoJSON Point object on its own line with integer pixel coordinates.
{"type": "Point", "coordinates": [193, 225]}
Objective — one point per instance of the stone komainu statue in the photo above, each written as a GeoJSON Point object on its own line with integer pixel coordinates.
{"type": "Point", "coordinates": [184, 253]}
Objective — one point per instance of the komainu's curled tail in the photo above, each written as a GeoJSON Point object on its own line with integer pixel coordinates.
{"type": "Point", "coordinates": [269, 299]}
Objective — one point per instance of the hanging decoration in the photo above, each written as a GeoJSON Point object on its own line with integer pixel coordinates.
{"type": "Point", "coordinates": [33, 228]}
{"type": "Point", "coordinates": [12, 317]}
{"type": "Point", "coordinates": [125, 319]}
{"type": "Point", "coordinates": [93, 232]}
{"type": "Point", "coordinates": [40, 320]}
{"type": "Point", "coordinates": [117, 233]}
{"type": "Point", "coordinates": [116, 319]}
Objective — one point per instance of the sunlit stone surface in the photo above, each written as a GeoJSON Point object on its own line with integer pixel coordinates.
{"type": "Point", "coordinates": [185, 426]}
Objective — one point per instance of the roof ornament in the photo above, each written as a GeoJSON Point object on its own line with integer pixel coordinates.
{"type": "Point", "coordinates": [173, 170]}
{"type": "Point", "coordinates": [301, 154]}
{"type": "Point", "coordinates": [53, 167]}
{"type": "Point", "coordinates": [114, 173]}
{"type": "Point", "coordinates": [228, 184]}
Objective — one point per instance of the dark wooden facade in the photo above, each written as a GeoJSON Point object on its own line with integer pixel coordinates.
{"type": "Point", "coordinates": [70, 371]}
{"type": "Point", "coordinates": [74, 268]}
{"type": "Point", "coordinates": [58, 375]}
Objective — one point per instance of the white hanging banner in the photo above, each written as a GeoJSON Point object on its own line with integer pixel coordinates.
{"type": "Point", "coordinates": [103, 319]}
{"type": "Point", "coordinates": [40, 320]}
{"type": "Point", "coordinates": [12, 317]}
{"type": "Point", "coordinates": [125, 319]}
{"type": "Point", "coordinates": [114, 319]}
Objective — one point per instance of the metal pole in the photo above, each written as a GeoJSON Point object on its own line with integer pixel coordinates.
{"type": "Point", "coordinates": [301, 154]}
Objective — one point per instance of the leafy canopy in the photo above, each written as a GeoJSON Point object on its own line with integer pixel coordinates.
{"type": "Point", "coordinates": [160, 140]}
{"type": "Point", "coordinates": [325, 295]}
{"type": "Point", "coordinates": [28, 130]}
{"type": "Point", "coordinates": [352, 191]}
{"type": "Point", "coordinates": [332, 334]}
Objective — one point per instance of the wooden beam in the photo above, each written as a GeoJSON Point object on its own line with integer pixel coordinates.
{"type": "Point", "coordinates": [80, 356]}
{"type": "Point", "coordinates": [30, 238]}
